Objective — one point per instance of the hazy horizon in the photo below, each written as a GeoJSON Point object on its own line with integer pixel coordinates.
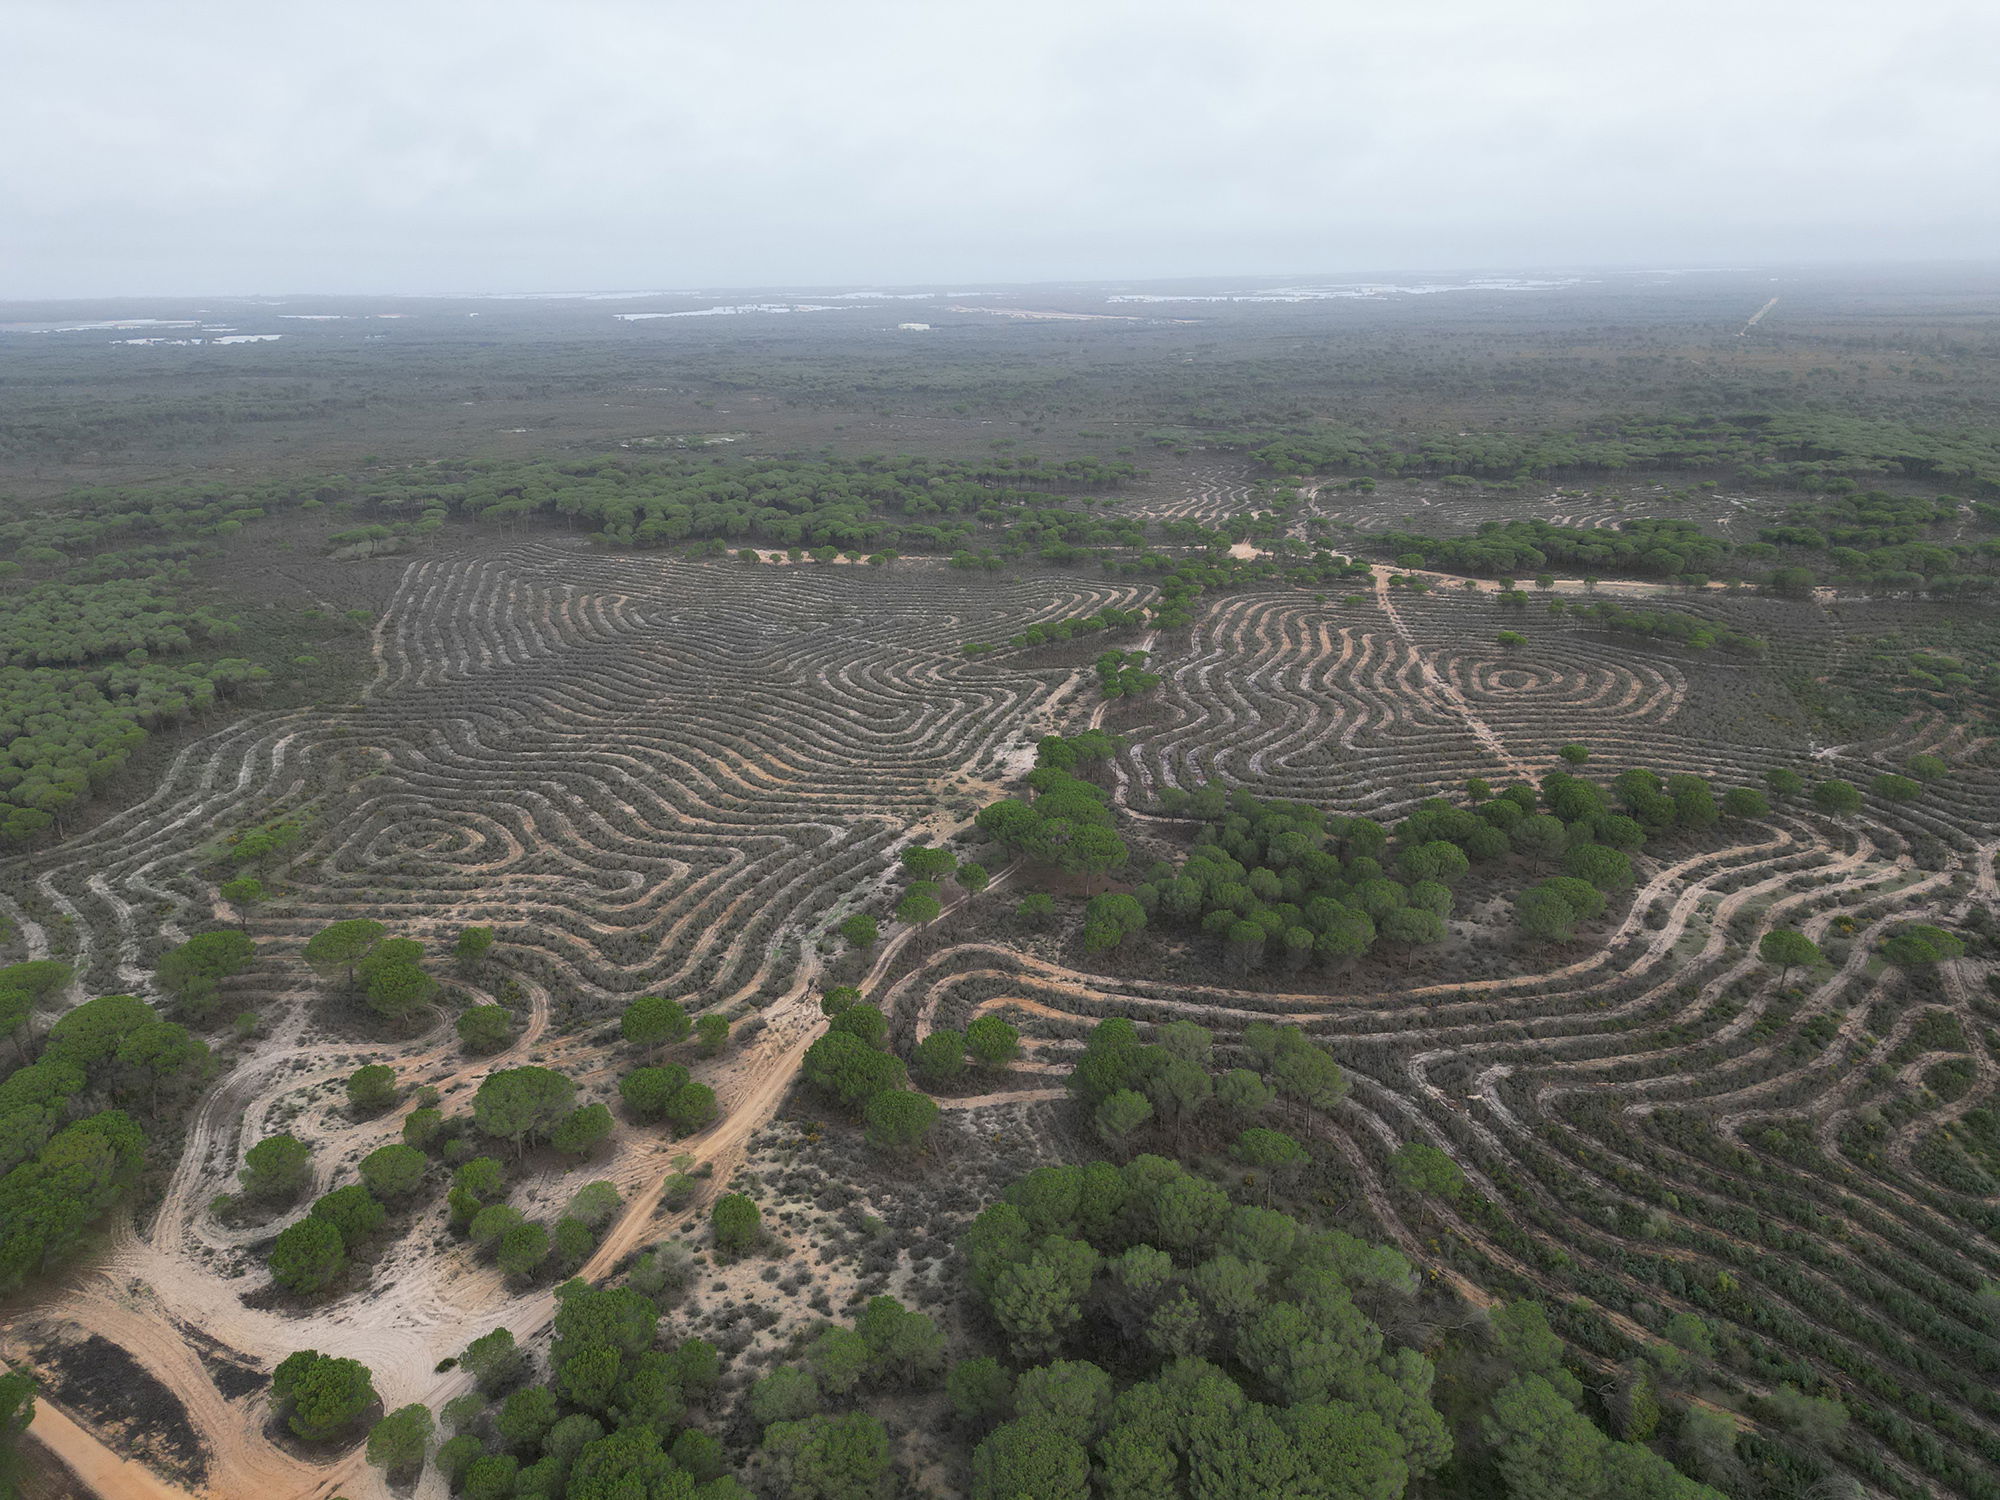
{"type": "Point", "coordinates": [219, 149]}
{"type": "Point", "coordinates": [1357, 276]}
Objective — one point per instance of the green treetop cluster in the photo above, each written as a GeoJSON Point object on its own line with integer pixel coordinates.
{"type": "Point", "coordinates": [1806, 451]}
{"type": "Point", "coordinates": [70, 1144]}
{"type": "Point", "coordinates": [1238, 1360]}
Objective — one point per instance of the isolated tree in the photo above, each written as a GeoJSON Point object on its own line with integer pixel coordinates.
{"type": "Point", "coordinates": [860, 930]}
{"type": "Point", "coordinates": [830, 1458]}
{"type": "Point", "coordinates": [193, 972]}
{"type": "Point", "coordinates": [940, 1057]}
{"type": "Point", "coordinates": [485, 1028]}
{"type": "Point", "coordinates": [582, 1130]}
{"type": "Point", "coordinates": [1110, 919]}
{"type": "Point", "coordinates": [491, 1224]}
{"type": "Point", "coordinates": [594, 1203]}
{"type": "Point", "coordinates": [787, 1394]}
{"type": "Point", "coordinates": [1542, 914]}
{"type": "Point", "coordinates": [1895, 788]}
{"type": "Point", "coordinates": [1539, 837]}
{"type": "Point", "coordinates": [522, 1248]}
{"type": "Point", "coordinates": [736, 1224]}
{"type": "Point", "coordinates": [340, 948]}
{"type": "Point", "coordinates": [398, 988]}
{"type": "Point", "coordinates": [321, 1395]}
{"type": "Point", "coordinates": [472, 946]}
{"type": "Point", "coordinates": [864, 1023]}
{"type": "Point", "coordinates": [917, 908]}
{"type": "Point", "coordinates": [647, 1092]}
{"type": "Point", "coordinates": [371, 1089]}
{"type": "Point", "coordinates": [276, 1168]}
{"type": "Point", "coordinates": [1920, 946]}
{"type": "Point", "coordinates": [245, 893]}
{"type": "Point", "coordinates": [525, 1417]}
{"type": "Point", "coordinates": [307, 1256]}
{"type": "Point", "coordinates": [692, 1107]}
{"type": "Point", "coordinates": [1789, 949]}
{"type": "Point", "coordinates": [922, 862]}
{"type": "Point", "coordinates": [352, 1210]}
{"type": "Point", "coordinates": [973, 878]}
{"type": "Point", "coordinates": [494, 1360]}
{"type": "Point", "coordinates": [712, 1034]}
{"type": "Point", "coordinates": [654, 1020]}
{"type": "Point", "coordinates": [1030, 1457]}
{"type": "Point", "coordinates": [1119, 1115]}
{"type": "Point", "coordinates": [900, 1119]}
{"type": "Point", "coordinates": [1036, 909]}
{"type": "Point", "coordinates": [522, 1104]}
{"type": "Point", "coordinates": [1783, 783]}
{"type": "Point", "coordinates": [980, 1389]}
{"type": "Point", "coordinates": [1575, 755]}
{"type": "Point", "coordinates": [1606, 868]}
{"type": "Point", "coordinates": [849, 1070]}
{"type": "Point", "coordinates": [398, 1442]}
{"type": "Point", "coordinates": [391, 1171]}
{"type": "Point", "coordinates": [1836, 797]}
{"type": "Point", "coordinates": [1422, 1168]}
{"type": "Point", "coordinates": [992, 1042]}
{"type": "Point", "coordinates": [1745, 802]}
{"type": "Point", "coordinates": [421, 1127]}
{"type": "Point", "coordinates": [1927, 767]}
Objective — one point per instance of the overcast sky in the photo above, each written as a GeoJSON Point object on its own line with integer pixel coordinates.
{"type": "Point", "coordinates": [351, 146]}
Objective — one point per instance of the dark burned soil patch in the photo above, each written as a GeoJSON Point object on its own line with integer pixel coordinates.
{"type": "Point", "coordinates": [233, 1375]}
{"type": "Point", "coordinates": [126, 1406]}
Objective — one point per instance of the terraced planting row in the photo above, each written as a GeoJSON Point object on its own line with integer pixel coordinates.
{"type": "Point", "coordinates": [649, 774]}
{"type": "Point", "coordinates": [1403, 506]}
{"type": "Point", "coordinates": [1667, 1125]}
{"type": "Point", "coordinates": [646, 774]}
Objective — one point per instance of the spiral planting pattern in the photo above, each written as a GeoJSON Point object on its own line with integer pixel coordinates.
{"type": "Point", "coordinates": [1208, 494]}
{"type": "Point", "coordinates": [1662, 1125]}
{"type": "Point", "coordinates": [1372, 705]}
{"type": "Point", "coordinates": [1395, 506]}
{"type": "Point", "coordinates": [648, 774]}
{"type": "Point", "coordinates": [656, 774]}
